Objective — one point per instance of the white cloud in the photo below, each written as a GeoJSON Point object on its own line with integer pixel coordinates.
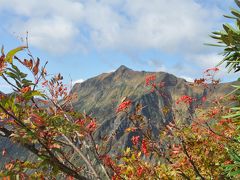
{"type": "Point", "coordinates": [52, 25]}
{"type": "Point", "coordinates": [210, 60]}
{"type": "Point", "coordinates": [168, 25]}
{"type": "Point", "coordinates": [78, 81]}
{"type": "Point", "coordinates": [189, 79]}
{"type": "Point", "coordinates": [207, 60]}
{"type": "Point", "coordinates": [70, 9]}
{"type": "Point", "coordinates": [156, 64]}
{"type": "Point", "coordinates": [54, 34]}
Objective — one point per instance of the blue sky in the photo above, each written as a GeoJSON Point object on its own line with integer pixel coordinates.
{"type": "Point", "coordinates": [84, 38]}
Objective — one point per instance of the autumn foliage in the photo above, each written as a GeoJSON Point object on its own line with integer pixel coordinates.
{"type": "Point", "coordinates": [201, 141]}
{"type": "Point", "coordinates": [49, 127]}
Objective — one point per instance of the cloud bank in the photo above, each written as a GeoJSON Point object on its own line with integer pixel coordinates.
{"type": "Point", "coordinates": [60, 25]}
{"type": "Point", "coordinates": [167, 26]}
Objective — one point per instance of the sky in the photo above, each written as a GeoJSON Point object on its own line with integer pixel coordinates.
{"type": "Point", "coordinates": [84, 38]}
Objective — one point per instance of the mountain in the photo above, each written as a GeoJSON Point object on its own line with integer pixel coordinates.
{"type": "Point", "coordinates": [101, 95]}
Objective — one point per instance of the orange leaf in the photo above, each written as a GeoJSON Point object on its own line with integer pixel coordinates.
{"type": "Point", "coordinates": [35, 68]}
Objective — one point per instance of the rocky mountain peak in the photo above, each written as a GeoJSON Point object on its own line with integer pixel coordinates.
{"type": "Point", "coordinates": [123, 69]}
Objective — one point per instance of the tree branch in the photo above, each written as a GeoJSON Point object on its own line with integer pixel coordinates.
{"type": "Point", "coordinates": [52, 159]}
{"type": "Point", "coordinates": [190, 160]}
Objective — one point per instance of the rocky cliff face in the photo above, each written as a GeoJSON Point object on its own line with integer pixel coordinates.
{"type": "Point", "coordinates": [100, 96]}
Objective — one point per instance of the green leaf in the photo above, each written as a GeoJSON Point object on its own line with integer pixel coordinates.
{"type": "Point", "coordinates": [31, 94]}
{"type": "Point", "coordinates": [215, 37]}
{"type": "Point", "coordinates": [10, 54]}
{"type": "Point", "coordinates": [237, 3]}
{"type": "Point", "coordinates": [232, 115]}
{"type": "Point", "coordinates": [214, 45]}
{"type": "Point", "coordinates": [27, 82]}
{"type": "Point", "coordinates": [16, 69]}
{"type": "Point", "coordinates": [2, 50]}
{"type": "Point", "coordinates": [234, 173]}
{"type": "Point", "coordinates": [235, 12]}
{"type": "Point", "coordinates": [230, 17]}
{"type": "Point", "coordinates": [12, 75]}
{"type": "Point", "coordinates": [221, 33]}
{"type": "Point", "coordinates": [236, 86]}
{"type": "Point", "coordinates": [18, 84]}
{"type": "Point", "coordinates": [235, 108]}
{"type": "Point", "coordinates": [23, 75]}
